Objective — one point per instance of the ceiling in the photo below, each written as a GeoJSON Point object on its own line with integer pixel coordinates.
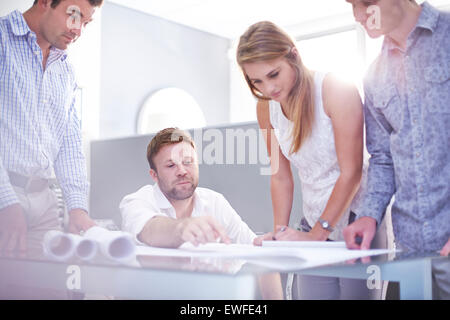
{"type": "Point", "coordinates": [230, 18]}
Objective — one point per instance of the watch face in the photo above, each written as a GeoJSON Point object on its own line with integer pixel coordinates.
{"type": "Point", "coordinates": [325, 224]}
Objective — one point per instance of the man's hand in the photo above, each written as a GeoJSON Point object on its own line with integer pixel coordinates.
{"type": "Point", "coordinates": [13, 232]}
{"type": "Point", "coordinates": [446, 249]}
{"type": "Point", "coordinates": [201, 230]}
{"type": "Point", "coordinates": [365, 228]}
{"type": "Point", "coordinates": [79, 221]}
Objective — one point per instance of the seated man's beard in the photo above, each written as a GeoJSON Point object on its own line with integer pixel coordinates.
{"type": "Point", "coordinates": [182, 193]}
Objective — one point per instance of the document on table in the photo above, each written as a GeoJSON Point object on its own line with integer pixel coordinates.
{"type": "Point", "coordinates": [315, 253]}
{"type": "Point", "coordinates": [305, 244]}
{"type": "Point", "coordinates": [281, 256]}
{"type": "Point", "coordinates": [218, 250]}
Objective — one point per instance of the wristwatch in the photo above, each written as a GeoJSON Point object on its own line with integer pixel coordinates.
{"type": "Point", "coordinates": [326, 225]}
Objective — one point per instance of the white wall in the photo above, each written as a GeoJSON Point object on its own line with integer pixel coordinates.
{"type": "Point", "coordinates": [142, 53]}
{"type": "Point", "coordinates": [6, 6]}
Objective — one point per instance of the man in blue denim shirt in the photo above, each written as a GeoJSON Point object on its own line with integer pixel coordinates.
{"type": "Point", "coordinates": [407, 115]}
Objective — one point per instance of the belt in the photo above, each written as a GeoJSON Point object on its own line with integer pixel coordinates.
{"type": "Point", "coordinates": [29, 184]}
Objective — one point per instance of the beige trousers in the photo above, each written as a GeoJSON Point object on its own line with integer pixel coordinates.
{"type": "Point", "coordinates": [42, 215]}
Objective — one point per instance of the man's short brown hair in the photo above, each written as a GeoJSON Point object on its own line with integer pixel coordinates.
{"type": "Point", "coordinates": [94, 3]}
{"type": "Point", "coordinates": [166, 137]}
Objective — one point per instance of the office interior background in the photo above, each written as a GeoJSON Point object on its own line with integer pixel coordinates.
{"type": "Point", "coordinates": [143, 65]}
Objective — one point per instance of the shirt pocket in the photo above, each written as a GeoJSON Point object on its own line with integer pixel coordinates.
{"type": "Point", "coordinates": [61, 90]}
{"type": "Point", "coordinates": [437, 86]}
{"type": "Point", "coordinates": [387, 102]}
{"type": "Point", "coordinates": [60, 94]}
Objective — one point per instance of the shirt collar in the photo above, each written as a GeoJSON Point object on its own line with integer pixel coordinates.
{"type": "Point", "coordinates": [199, 203]}
{"type": "Point", "coordinates": [163, 203]}
{"type": "Point", "coordinates": [58, 53]}
{"type": "Point", "coordinates": [20, 28]}
{"type": "Point", "coordinates": [161, 200]}
{"type": "Point", "coordinates": [428, 19]}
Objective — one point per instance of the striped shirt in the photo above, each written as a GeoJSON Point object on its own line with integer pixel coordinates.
{"type": "Point", "coordinates": [40, 132]}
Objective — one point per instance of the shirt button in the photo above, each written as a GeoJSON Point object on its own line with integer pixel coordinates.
{"type": "Point", "coordinates": [418, 154]}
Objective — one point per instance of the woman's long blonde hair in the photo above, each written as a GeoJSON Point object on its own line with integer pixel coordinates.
{"type": "Point", "coordinates": [264, 41]}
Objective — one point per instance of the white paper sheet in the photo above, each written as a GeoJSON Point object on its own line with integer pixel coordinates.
{"type": "Point", "coordinates": [305, 244]}
{"type": "Point", "coordinates": [303, 258]}
{"type": "Point", "coordinates": [219, 250]}
{"type": "Point", "coordinates": [276, 257]}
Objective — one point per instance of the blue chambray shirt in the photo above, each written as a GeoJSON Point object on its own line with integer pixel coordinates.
{"type": "Point", "coordinates": [39, 129]}
{"type": "Point", "coordinates": [407, 116]}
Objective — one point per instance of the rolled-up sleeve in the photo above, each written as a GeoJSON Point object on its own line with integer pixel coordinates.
{"type": "Point", "coordinates": [70, 165]}
{"type": "Point", "coordinates": [136, 211]}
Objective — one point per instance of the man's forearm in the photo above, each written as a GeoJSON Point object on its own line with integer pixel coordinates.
{"type": "Point", "coordinates": [70, 166]}
{"type": "Point", "coordinates": [380, 189]}
{"type": "Point", "coordinates": [381, 176]}
{"type": "Point", "coordinates": [161, 232]}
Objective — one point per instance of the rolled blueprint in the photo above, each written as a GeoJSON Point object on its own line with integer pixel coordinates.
{"type": "Point", "coordinates": [58, 245]}
{"type": "Point", "coordinates": [116, 245]}
{"type": "Point", "coordinates": [62, 246]}
{"type": "Point", "coordinates": [85, 249]}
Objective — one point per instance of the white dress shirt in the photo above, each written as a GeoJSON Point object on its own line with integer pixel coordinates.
{"type": "Point", "coordinates": [139, 207]}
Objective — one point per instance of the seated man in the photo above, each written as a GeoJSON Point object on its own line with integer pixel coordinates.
{"type": "Point", "coordinates": [174, 210]}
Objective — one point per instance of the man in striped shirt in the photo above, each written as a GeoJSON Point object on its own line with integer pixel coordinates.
{"type": "Point", "coordinates": [39, 130]}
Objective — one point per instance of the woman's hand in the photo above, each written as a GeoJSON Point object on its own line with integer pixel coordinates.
{"type": "Point", "coordinates": [265, 237]}
{"type": "Point", "coordinates": [284, 233]}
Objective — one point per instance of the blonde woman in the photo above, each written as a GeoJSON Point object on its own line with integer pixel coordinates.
{"type": "Point", "coordinates": [317, 123]}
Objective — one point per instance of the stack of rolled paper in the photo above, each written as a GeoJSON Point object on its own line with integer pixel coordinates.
{"type": "Point", "coordinates": [115, 245]}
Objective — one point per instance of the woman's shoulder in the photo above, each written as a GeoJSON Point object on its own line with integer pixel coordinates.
{"type": "Point", "coordinates": [337, 92]}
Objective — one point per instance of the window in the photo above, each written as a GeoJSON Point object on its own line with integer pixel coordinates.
{"type": "Point", "coordinates": [373, 49]}
{"type": "Point", "coordinates": [169, 107]}
{"type": "Point", "coordinates": [337, 53]}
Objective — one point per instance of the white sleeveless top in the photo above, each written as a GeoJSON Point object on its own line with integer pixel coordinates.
{"type": "Point", "coordinates": [316, 160]}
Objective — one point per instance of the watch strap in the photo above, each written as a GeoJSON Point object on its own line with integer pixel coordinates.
{"type": "Point", "coordinates": [326, 225]}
